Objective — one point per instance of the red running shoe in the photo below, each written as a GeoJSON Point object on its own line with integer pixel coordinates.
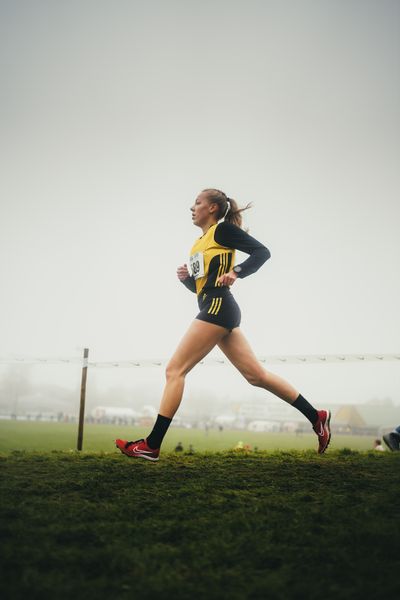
{"type": "Point", "coordinates": [138, 449]}
{"type": "Point", "coordinates": [322, 429]}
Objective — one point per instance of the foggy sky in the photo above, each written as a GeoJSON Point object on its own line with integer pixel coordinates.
{"type": "Point", "coordinates": [114, 115]}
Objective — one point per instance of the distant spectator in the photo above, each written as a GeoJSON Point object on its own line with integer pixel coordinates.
{"type": "Point", "coordinates": [392, 439]}
{"type": "Point", "coordinates": [179, 447]}
{"type": "Point", "coordinates": [241, 446]}
{"type": "Point", "coordinates": [378, 445]}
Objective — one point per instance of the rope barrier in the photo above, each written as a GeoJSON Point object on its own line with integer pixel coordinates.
{"type": "Point", "coordinates": [84, 363]}
{"type": "Point", "coordinates": [210, 360]}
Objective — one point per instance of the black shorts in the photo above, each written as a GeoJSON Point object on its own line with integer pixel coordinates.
{"type": "Point", "coordinates": [218, 306]}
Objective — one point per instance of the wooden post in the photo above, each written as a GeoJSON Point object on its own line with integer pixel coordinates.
{"type": "Point", "coordinates": [83, 397]}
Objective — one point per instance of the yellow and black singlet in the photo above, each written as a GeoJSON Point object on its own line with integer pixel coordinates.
{"type": "Point", "coordinates": [212, 255]}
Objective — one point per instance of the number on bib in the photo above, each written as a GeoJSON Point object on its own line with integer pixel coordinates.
{"type": "Point", "coordinates": [197, 265]}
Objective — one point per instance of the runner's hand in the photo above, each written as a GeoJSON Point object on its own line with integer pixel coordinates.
{"type": "Point", "coordinates": [182, 272]}
{"type": "Point", "coordinates": [227, 278]}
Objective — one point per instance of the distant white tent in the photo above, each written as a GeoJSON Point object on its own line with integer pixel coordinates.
{"type": "Point", "coordinates": [269, 426]}
{"type": "Point", "coordinates": [114, 412]}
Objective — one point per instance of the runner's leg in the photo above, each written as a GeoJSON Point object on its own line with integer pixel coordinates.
{"type": "Point", "coordinates": [239, 352]}
{"type": "Point", "coordinates": [198, 341]}
{"type": "Point", "coordinates": [237, 349]}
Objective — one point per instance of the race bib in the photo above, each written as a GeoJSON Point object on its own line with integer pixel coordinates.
{"type": "Point", "coordinates": [197, 265]}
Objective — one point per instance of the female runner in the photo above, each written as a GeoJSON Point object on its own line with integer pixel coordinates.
{"type": "Point", "coordinates": [213, 272]}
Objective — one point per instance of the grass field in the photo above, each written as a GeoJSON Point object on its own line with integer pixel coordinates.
{"type": "Point", "coordinates": [282, 525]}
{"type": "Point", "coordinates": [25, 435]}
{"type": "Point", "coordinates": [269, 524]}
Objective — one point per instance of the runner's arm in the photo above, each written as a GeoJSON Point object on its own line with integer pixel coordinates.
{"type": "Point", "coordinates": [190, 283]}
{"type": "Point", "coordinates": [185, 277]}
{"type": "Point", "coordinates": [231, 236]}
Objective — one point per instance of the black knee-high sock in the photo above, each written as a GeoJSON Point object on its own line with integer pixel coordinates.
{"type": "Point", "coordinates": [160, 428]}
{"type": "Point", "coordinates": [305, 407]}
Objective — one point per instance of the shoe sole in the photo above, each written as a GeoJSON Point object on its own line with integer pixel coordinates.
{"type": "Point", "coordinates": [327, 424]}
{"type": "Point", "coordinates": [142, 456]}
{"type": "Point", "coordinates": [137, 455]}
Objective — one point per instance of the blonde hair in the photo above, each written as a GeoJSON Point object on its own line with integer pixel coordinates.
{"type": "Point", "coordinates": [228, 208]}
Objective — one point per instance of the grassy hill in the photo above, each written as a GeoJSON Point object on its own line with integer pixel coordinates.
{"type": "Point", "coordinates": [278, 525]}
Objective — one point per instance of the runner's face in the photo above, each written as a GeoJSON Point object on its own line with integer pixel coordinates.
{"type": "Point", "coordinates": [202, 210]}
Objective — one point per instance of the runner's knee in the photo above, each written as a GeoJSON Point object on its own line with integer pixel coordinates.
{"type": "Point", "coordinates": [255, 378]}
{"type": "Point", "coordinates": [174, 371]}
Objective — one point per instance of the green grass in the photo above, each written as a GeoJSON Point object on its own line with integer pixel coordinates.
{"type": "Point", "coordinates": [276, 525]}
{"type": "Point", "coordinates": [20, 435]}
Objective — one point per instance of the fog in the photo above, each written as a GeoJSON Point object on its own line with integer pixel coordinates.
{"type": "Point", "coordinates": [115, 115]}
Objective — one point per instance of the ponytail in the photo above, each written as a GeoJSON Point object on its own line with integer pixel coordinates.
{"type": "Point", "coordinates": [234, 214]}
{"type": "Point", "coordinates": [228, 209]}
